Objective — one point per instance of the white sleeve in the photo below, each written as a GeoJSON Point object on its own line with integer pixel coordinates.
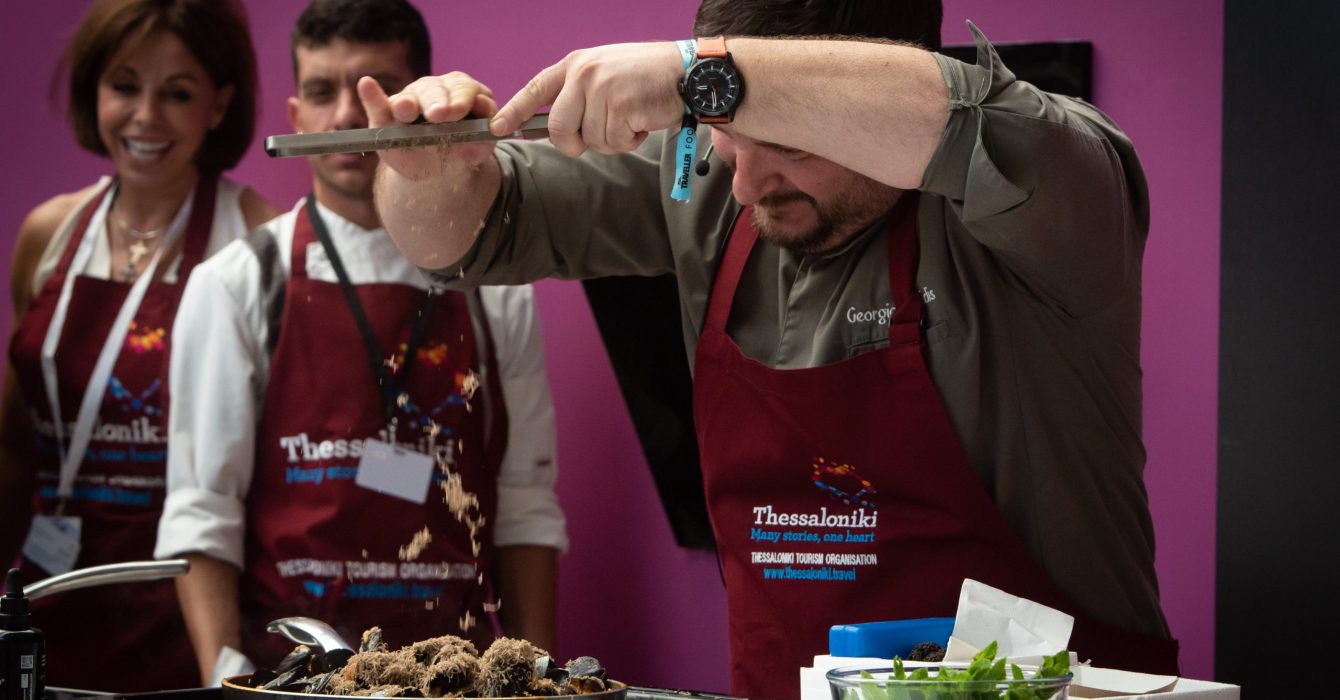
{"type": "Point", "coordinates": [528, 510]}
{"type": "Point", "coordinates": [217, 377]}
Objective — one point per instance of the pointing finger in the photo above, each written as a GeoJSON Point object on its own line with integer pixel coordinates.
{"type": "Point", "coordinates": [542, 90]}
{"type": "Point", "coordinates": [375, 102]}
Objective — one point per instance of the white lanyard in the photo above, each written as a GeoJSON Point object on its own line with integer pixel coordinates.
{"type": "Point", "coordinates": [73, 456]}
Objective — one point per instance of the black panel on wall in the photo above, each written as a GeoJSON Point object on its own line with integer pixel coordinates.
{"type": "Point", "coordinates": [639, 322]}
{"type": "Point", "coordinates": [1278, 555]}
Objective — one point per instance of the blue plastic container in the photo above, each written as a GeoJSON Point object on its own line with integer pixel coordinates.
{"type": "Point", "coordinates": [885, 640]}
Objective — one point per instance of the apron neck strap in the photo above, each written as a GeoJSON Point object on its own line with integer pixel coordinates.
{"type": "Point", "coordinates": [77, 234]}
{"type": "Point", "coordinates": [304, 234]}
{"type": "Point", "coordinates": [904, 251]}
{"type": "Point", "coordinates": [390, 387]}
{"type": "Point", "coordinates": [200, 224]}
{"type": "Point", "coordinates": [739, 243]}
{"type": "Point", "coordinates": [197, 232]}
{"type": "Point", "coordinates": [903, 248]}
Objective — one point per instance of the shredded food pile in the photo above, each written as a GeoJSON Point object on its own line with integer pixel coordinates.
{"type": "Point", "coordinates": [441, 667]}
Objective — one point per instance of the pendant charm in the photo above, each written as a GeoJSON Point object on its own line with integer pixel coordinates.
{"type": "Point", "coordinates": [137, 252]}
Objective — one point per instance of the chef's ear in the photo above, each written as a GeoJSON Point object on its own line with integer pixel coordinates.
{"type": "Point", "coordinates": [291, 107]}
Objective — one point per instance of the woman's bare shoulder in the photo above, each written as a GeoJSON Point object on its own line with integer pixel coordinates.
{"type": "Point", "coordinates": [35, 235]}
{"type": "Point", "coordinates": [42, 222]}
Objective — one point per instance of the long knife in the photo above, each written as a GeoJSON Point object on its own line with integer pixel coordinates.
{"type": "Point", "coordinates": [399, 136]}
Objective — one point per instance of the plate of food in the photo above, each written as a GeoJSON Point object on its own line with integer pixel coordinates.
{"type": "Point", "coordinates": [441, 667]}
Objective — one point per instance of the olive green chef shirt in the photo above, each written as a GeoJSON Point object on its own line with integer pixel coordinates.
{"type": "Point", "coordinates": [1032, 222]}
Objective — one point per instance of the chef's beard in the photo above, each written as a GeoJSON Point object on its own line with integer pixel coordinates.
{"type": "Point", "coordinates": [836, 221]}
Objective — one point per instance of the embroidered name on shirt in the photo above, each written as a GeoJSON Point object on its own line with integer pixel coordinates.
{"type": "Point", "coordinates": [884, 313]}
{"type": "Point", "coordinates": [880, 315]}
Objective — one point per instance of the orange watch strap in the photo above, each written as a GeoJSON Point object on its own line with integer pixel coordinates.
{"type": "Point", "coordinates": [712, 47]}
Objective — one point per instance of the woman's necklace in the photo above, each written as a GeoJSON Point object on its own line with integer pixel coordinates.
{"type": "Point", "coordinates": [138, 249]}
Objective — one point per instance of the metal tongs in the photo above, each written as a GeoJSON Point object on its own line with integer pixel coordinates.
{"type": "Point", "coordinates": [317, 634]}
{"type": "Point", "coordinates": [123, 572]}
{"type": "Point", "coordinates": [399, 136]}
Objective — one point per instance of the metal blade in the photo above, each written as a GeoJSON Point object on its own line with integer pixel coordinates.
{"type": "Point", "coordinates": [399, 136]}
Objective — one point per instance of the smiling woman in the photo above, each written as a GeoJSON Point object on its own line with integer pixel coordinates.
{"type": "Point", "coordinates": [164, 89]}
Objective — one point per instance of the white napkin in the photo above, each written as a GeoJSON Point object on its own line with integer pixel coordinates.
{"type": "Point", "coordinates": [1021, 628]}
{"type": "Point", "coordinates": [231, 662]}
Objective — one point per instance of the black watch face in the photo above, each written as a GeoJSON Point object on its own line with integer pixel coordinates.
{"type": "Point", "coordinates": [712, 88]}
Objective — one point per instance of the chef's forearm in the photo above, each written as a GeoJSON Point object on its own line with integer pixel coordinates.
{"type": "Point", "coordinates": [434, 218]}
{"type": "Point", "coordinates": [529, 595]}
{"type": "Point", "coordinates": [208, 597]}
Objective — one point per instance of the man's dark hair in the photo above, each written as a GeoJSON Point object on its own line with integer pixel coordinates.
{"type": "Point", "coordinates": [364, 22]}
{"type": "Point", "coordinates": [914, 21]}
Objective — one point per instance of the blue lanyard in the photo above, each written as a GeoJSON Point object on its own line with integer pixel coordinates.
{"type": "Point", "coordinates": [686, 146]}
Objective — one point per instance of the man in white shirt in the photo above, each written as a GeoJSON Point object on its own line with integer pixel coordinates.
{"type": "Point", "coordinates": [300, 353]}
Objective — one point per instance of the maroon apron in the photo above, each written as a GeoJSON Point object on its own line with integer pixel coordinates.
{"type": "Point", "coordinates": [126, 637]}
{"type": "Point", "coordinates": [840, 494]}
{"type": "Point", "coordinates": [318, 544]}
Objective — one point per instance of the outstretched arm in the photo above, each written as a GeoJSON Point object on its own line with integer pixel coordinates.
{"type": "Point", "coordinates": [878, 109]}
{"type": "Point", "coordinates": [875, 108]}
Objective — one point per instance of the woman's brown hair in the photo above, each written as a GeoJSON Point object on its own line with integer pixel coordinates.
{"type": "Point", "coordinates": [214, 31]}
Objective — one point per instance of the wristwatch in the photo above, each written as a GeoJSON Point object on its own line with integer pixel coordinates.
{"type": "Point", "coordinates": [712, 87]}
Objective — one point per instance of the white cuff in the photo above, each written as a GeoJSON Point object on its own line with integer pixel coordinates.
{"type": "Point", "coordinates": [529, 516]}
{"type": "Point", "coordinates": [197, 520]}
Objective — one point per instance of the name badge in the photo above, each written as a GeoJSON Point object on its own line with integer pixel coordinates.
{"type": "Point", "coordinates": [395, 471]}
{"type": "Point", "coordinates": [53, 543]}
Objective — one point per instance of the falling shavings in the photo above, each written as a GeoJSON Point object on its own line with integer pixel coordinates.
{"type": "Point", "coordinates": [416, 545]}
{"type": "Point", "coordinates": [469, 385]}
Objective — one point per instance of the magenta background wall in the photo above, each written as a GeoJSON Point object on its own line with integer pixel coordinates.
{"type": "Point", "coordinates": [655, 613]}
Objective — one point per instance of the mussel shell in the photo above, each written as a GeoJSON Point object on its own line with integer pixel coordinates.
{"type": "Point", "coordinates": [585, 666]}
{"type": "Point", "coordinates": [372, 639]}
{"type": "Point", "coordinates": [299, 657]}
{"type": "Point", "coordinates": [318, 686]}
{"type": "Point", "coordinates": [289, 680]}
{"type": "Point", "coordinates": [546, 667]}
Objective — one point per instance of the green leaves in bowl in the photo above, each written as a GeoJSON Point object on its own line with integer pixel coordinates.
{"type": "Point", "coordinates": [985, 678]}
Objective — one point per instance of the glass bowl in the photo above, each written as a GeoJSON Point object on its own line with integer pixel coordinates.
{"type": "Point", "coordinates": [848, 684]}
